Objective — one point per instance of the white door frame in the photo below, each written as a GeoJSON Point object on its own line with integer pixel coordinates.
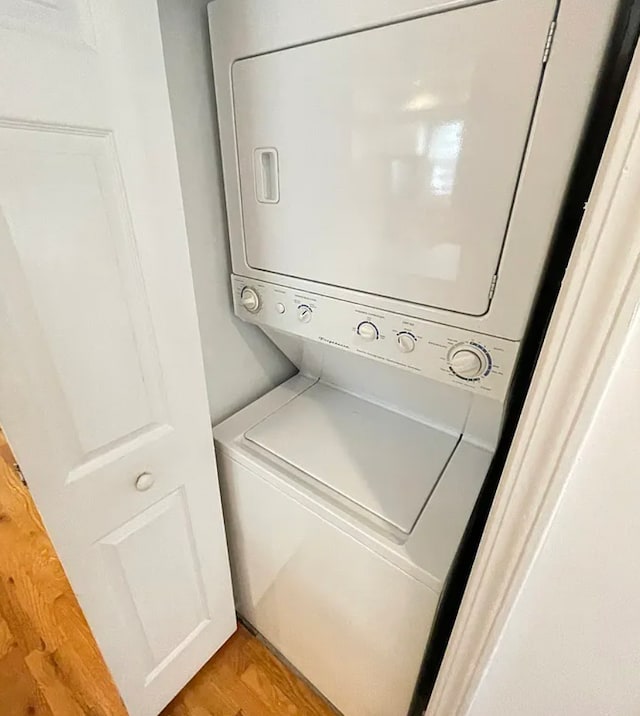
{"type": "Point", "coordinates": [597, 302]}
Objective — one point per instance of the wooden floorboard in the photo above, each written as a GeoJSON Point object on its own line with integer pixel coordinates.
{"type": "Point", "coordinates": [50, 664]}
{"type": "Point", "coordinates": [245, 679]}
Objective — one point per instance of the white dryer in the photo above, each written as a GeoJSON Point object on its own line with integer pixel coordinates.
{"type": "Point", "coordinates": [388, 229]}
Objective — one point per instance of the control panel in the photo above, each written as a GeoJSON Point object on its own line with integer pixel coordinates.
{"type": "Point", "coordinates": [475, 361]}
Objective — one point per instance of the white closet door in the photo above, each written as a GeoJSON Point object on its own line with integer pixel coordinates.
{"type": "Point", "coordinates": [102, 390]}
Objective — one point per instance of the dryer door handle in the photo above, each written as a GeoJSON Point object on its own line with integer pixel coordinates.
{"type": "Point", "coordinates": [265, 171]}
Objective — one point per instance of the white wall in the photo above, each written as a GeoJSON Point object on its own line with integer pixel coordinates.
{"type": "Point", "coordinates": [240, 362]}
{"type": "Point", "coordinates": [572, 642]}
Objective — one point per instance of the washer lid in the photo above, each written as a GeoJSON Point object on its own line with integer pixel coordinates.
{"type": "Point", "coordinates": [382, 461]}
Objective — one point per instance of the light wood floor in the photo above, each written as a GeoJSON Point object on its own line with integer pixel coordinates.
{"type": "Point", "coordinates": [245, 679]}
{"type": "Point", "coordinates": [49, 661]}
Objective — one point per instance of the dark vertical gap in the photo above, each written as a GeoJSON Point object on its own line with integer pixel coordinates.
{"type": "Point", "coordinates": [615, 67]}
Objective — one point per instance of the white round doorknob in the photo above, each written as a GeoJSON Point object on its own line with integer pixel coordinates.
{"type": "Point", "coordinates": [406, 342]}
{"type": "Point", "coordinates": [250, 299]}
{"type": "Point", "coordinates": [304, 313]}
{"type": "Point", "coordinates": [466, 363]}
{"type": "Point", "coordinates": [367, 331]}
{"type": "Point", "coordinates": [144, 481]}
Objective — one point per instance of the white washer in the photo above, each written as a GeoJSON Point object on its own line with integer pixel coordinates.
{"type": "Point", "coordinates": [388, 230]}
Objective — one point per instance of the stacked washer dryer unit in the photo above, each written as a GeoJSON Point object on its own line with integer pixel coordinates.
{"type": "Point", "coordinates": [392, 184]}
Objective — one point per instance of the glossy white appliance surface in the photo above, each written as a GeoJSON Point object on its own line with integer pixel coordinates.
{"type": "Point", "coordinates": [317, 580]}
{"type": "Point", "coordinates": [426, 552]}
{"type": "Point", "coordinates": [351, 621]}
{"type": "Point", "coordinates": [385, 171]}
{"type": "Point", "coordinates": [436, 351]}
{"type": "Point", "coordinates": [393, 173]}
{"type": "Point", "coordinates": [380, 461]}
{"type": "Point", "coordinates": [251, 28]}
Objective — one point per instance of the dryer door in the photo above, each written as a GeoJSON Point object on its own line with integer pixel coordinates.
{"type": "Point", "coordinates": [387, 160]}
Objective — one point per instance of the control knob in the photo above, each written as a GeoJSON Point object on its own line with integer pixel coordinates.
{"type": "Point", "coordinates": [406, 342]}
{"type": "Point", "coordinates": [467, 362]}
{"type": "Point", "coordinates": [367, 331]}
{"type": "Point", "coordinates": [250, 299]}
{"type": "Point", "coordinates": [304, 313]}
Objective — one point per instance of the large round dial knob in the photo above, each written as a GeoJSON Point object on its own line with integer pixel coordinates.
{"type": "Point", "coordinates": [406, 342]}
{"type": "Point", "coordinates": [250, 299]}
{"type": "Point", "coordinates": [466, 363]}
{"type": "Point", "coordinates": [367, 331]}
{"type": "Point", "coordinates": [304, 313]}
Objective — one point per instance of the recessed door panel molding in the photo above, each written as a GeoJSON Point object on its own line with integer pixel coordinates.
{"type": "Point", "coordinates": [102, 393]}
{"type": "Point", "coordinates": [67, 19]}
{"type": "Point", "coordinates": [167, 619]}
{"type": "Point", "coordinates": [63, 202]}
{"type": "Point", "coordinates": [397, 170]}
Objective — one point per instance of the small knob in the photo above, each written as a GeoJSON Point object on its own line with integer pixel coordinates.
{"type": "Point", "coordinates": [304, 313]}
{"type": "Point", "coordinates": [367, 331]}
{"type": "Point", "coordinates": [250, 299]}
{"type": "Point", "coordinates": [144, 481]}
{"type": "Point", "coordinates": [406, 342]}
{"type": "Point", "coordinates": [466, 363]}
